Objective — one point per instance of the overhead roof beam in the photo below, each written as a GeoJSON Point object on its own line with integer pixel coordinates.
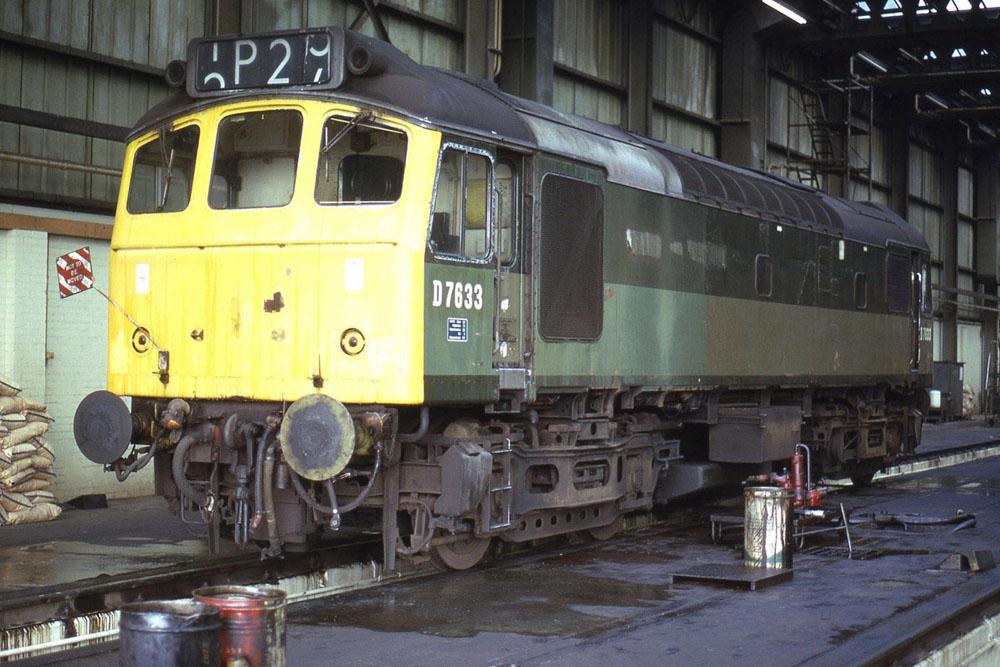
{"type": "Point", "coordinates": [991, 112]}
{"type": "Point", "coordinates": [942, 29]}
{"type": "Point", "coordinates": [930, 81]}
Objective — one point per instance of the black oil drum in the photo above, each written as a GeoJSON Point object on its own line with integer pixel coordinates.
{"type": "Point", "coordinates": [169, 633]}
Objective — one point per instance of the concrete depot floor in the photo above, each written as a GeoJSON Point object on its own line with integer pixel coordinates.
{"type": "Point", "coordinates": [605, 605]}
{"type": "Point", "coordinates": [612, 605]}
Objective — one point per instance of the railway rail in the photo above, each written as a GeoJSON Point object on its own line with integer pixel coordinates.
{"type": "Point", "coordinates": [940, 458]}
{"type": "Point", "coordinates": [82, 613]}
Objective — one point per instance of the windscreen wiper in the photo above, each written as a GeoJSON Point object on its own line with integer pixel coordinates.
{"type": "Point", "coordinates": [168, 166]}
{"type": "Point", "coordinates": [362, 117]}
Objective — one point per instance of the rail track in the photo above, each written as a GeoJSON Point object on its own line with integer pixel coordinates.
{"type": "Point", "coordinates": [63, 617]}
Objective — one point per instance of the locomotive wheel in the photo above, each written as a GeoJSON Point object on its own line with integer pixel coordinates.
{"type": "Point", "coordinates": [602, 533]}
{"type": "Point", "coordinates": [463, 554]}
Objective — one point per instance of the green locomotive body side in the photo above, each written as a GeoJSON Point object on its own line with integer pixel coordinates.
{"type": "Point", "coordinates": [685, 312]}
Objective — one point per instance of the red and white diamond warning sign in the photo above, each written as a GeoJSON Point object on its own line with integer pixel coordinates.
{"type": "Point", "coordinates": [75, 272]}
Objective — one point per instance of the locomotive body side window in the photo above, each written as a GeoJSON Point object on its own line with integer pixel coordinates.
{"type": "Point", "coordinates": [764, 278]}
{"type": "Point", "coordinates": [255, 159]}
{"type": "Point", "coordinates": [461, 223]}
{"type": "Point", "coordinates": [860, 291]}
{"type": "Point", "coordinates": [359, 163]}
{"type": "Point", "coordinates": [162, 172]}
{"type": "Point", "coordinates": [571, 282]}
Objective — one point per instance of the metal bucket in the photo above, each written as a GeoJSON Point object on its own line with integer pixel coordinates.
{"type": "Point", "coordinates": [253, 623]}
{"type": "Point", "coordinates": [169, 633]}
{"type": "Point", "coordinates": [767, 527]}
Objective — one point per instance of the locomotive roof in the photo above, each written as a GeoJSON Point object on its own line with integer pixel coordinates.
{"type": "Point", "coordinates": [472, 106]}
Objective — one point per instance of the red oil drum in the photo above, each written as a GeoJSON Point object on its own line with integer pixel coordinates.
{"type": "Point", "coordinates": [253, 623]}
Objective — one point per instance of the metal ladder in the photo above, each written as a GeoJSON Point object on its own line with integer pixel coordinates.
{"type": "Point", "coordinates": [501, 486]}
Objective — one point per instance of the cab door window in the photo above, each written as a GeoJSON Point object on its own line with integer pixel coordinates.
{"type": "Point", "coordinates": [461, 225]}
{"type": "Point", "coordinates": [506, 211]}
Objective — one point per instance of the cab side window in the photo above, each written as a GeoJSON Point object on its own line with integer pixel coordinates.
{"type": "Point", "coordinates": [460, 220]}
{"type": "Point", "coordinates": [360, 163]}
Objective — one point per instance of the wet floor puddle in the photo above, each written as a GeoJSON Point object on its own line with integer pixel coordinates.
{"type": "Point", "coordinates": [541, 599]}
{"type": "Point", "coordinates": [979, 487]}
{"type": "Point", "coordinates": [48, 563]}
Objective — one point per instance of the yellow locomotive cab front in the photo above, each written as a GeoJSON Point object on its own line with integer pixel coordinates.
{"type": "Point", "coordinates": [272, 249]}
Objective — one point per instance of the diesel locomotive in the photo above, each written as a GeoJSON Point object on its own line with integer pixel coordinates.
{"type": "Point", "coordinates": [360, 294]}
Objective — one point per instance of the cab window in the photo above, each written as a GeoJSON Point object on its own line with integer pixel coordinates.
{"type": "Point", "coordinates": [255, 159]}
{"type": "Point", "coordinates": [460, 219]}
{"type": "Point", "coordinates": [359, 162]}
{"type": "Point", "coordinates": [506, 213]}
{"type": "Point", "coordinates": [927, 301]}
{"type": "Point", "coordinates": [162, 172]}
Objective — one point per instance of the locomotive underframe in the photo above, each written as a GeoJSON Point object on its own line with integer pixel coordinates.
{"type": "Point", "coordinates": [566, 463]}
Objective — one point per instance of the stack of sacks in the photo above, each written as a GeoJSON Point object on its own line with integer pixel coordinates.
{"type": "Point", "coordinates": [25, 460]}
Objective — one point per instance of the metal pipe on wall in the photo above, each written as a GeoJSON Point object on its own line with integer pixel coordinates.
{"type": "Point", "coordinates": [59, 164]}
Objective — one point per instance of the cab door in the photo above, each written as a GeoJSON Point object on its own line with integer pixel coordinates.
{"type": "Point", "coordinates": [510, 278]}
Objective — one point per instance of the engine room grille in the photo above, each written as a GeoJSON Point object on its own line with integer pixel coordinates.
{"type": "Point", "coordinates": [571, 303]}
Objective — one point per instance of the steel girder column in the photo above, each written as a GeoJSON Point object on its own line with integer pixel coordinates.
{"type": "Point", "coordinates": [743, 99]}
{"type": "Point", "coordinates": [900, 179]}
{"type": "Point", "coordinates": [640, 35]}
{"type": "Point", "coordinates": [987, 239]}
{"type": "Point", "coordinates": [226, 17]}
{"type": "Point", "coordinates": [528, 49]}
{"type": "Point", "coordinates": [949, 248]}
{"type": "Point", "coordinates": [479, 25]}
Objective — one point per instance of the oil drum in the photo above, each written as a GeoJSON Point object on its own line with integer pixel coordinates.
{"type": "Point", "coordinates": [169, 633]}
{"type": "Point", "coordinates": [253, 623]}
{"type": "Point", "coordinates": [767, 527]}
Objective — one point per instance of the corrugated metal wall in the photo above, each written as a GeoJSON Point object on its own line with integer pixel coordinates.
{"type": "Point", "coordinates": [786, 124]}
{"type": "Point", "coordinates": [589, 53]}
{"type": "Point", "coordinates": [924, 209]}
{"type": "Point", "coordinates": [429, 31]}
{"type": "Point", "coordinates": [143, 36]}
{"type": "Point", "coordinates": [42, 76]}
{"type": "Point", "coordinates": [685, 76]}
{"type": "Point", "coordinates": [878, 160]}
{"type": "Point", "coordinates": [966, 242]}
{"type": "Point", "coordinates": [788, 138]}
